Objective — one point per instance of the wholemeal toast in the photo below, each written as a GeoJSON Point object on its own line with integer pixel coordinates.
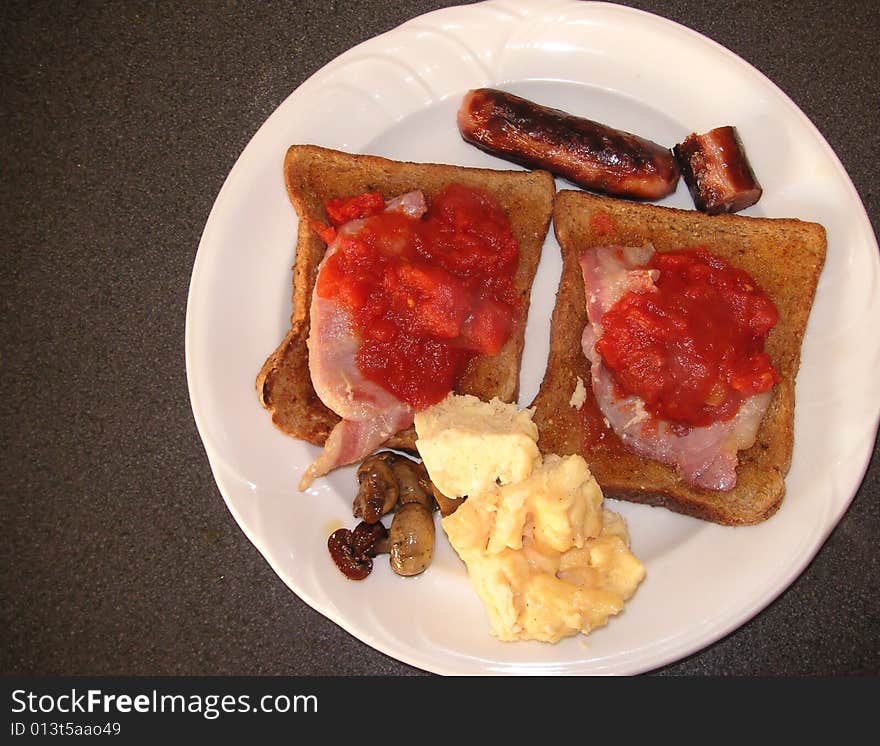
{"type": "Point", "coordinates": [314, 175]}
{"type": "Point", "coordinates": [784, 256]}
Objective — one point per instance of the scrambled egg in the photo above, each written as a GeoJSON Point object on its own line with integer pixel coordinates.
{"type": "Point", "coordinates": [545, 558]}
{"type": "Point", "coordinates": [469, 445]}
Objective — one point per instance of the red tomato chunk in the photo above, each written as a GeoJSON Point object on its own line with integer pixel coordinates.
{"type": "Point", "coordinates": [340, 211]}
{"type": "Point", "coordinates": [425, 295]}
{"type": "Point", "coordinates": [694, 349]}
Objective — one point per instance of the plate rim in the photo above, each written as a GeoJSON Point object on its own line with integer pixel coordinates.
{"type": "Point", "coordinates": [675, 652]}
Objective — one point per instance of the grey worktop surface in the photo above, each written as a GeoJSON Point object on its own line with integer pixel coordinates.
{"type": "Point", "coordinates": [120, 123]}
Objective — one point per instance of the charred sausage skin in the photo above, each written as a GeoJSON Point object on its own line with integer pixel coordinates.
{"type": "Point", "coordinates": [587, 153]}
{"type": "Point", "coordinates": [717, 173]}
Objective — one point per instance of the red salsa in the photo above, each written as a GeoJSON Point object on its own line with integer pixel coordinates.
{"type": "Point", "coordinates": [694, 349]}
{"type": "Point", "coordinates": [425, 295]}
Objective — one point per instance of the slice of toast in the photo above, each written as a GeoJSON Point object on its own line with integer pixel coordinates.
{"type": "Point", "coordinates": [784, 257]}
{"type": "Point", "coordinates": [314, 175]}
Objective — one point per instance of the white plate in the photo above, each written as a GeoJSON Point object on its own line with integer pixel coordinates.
{"type": "Point", "coordinates": [396, 95]}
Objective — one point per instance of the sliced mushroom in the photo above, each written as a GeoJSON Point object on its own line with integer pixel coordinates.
{"type": "Point", "coordinates": [412, 539]}
{"type": "Point", "coordinates": [366, 537]}
{"type": "Point", "coordinates": [447, 505]}
{"type": "Point", "coordinates": [413, 482]}
{"type": "Point", "coordinates": [378, 489]}
{"type": "Point", "coordinates": [352, 551]}
{"type": "Point", "coordinates": [382, 545]}
{"type": "Point", "coordinates": [391, 482]}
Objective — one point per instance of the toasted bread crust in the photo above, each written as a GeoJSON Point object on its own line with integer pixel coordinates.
{"type": "Point", "coordinates": [784, 256]}
{"type": "Point", "coordinates": [314, 175]}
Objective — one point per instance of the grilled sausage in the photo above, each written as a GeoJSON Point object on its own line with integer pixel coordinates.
{"type": "Point", "coordinates": [717, 172]}
{"type": "Point", "coordinates": [589, 154]}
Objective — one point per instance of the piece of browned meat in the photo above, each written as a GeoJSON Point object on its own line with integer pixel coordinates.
{"type": "Point", "coordinates": [715, 168]}
{"type": "Point", "coordinates": [587, 153]}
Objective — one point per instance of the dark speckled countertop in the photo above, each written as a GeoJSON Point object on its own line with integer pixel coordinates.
{"type": "Point", "coordinates": [120, 123]}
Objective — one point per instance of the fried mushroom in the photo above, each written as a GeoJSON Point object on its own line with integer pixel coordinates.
{"type": "Point", "coordinates": [353, 551]}
{"type": "Point", "coordinates": [378, 489]}
{"type": "Point", "coordinates": [412, 539]}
